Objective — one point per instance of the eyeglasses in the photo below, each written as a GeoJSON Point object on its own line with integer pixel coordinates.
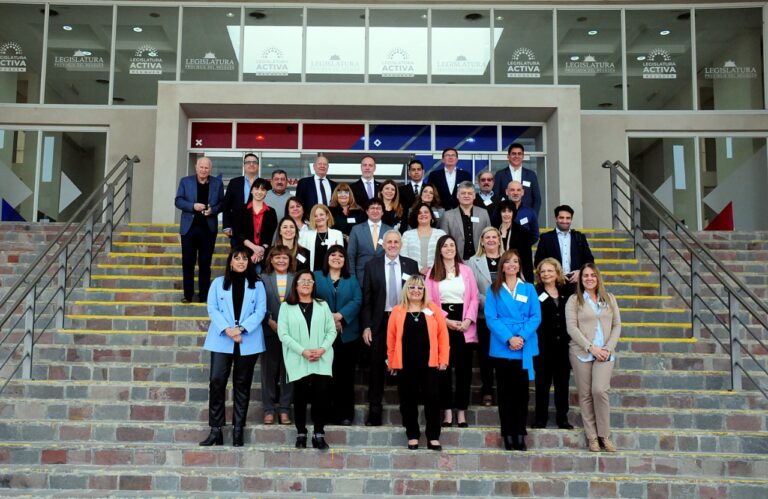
{"type": "Point", "coordinates": [416, 288]}
{"type": "Point", "coordinates": [305, 281]}
{"type": "Point", "coordinates": [250, 162]}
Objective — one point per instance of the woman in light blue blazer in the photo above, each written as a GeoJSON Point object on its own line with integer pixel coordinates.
{"type": "Point", "coordinates": [237, 303]}
{"type": "Point", "coordinates": [307, 330]}
{"type": "Point", "coordinates": [342, 292]}
{"type": "Point", "coordinates": [513, 314]}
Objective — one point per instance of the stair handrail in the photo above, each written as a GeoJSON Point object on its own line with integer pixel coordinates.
{"type": "Point", "coordinates": [740, 309]}
{"type": "Point", "coordinates": [105, 203]}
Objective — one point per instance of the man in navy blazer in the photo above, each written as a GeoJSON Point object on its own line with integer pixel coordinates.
{"type": "Point", "coordinates": [526, 176]}
{"type": "Point", "coordinates": [567, 246]}
{"type": "Point", "coordinates": [525, 228]}
{"type": "Point", "coordinates": [366, 187]}
{"type": "Point", "coordinates": [361, 247]}
{"type": "Point", "coordinates": [447, 179]}
{"type": "Point", "coordinates": [379, 293]}
{"type": "Point", "coordinates": [237, 195]}
{"type": "Point", "coordinates": [199, 197]}
{"type": "Point", "coordinates": [317, 188]}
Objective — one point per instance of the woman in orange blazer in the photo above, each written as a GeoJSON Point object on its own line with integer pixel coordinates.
{"type": "Point", "coordinates": [417, 349]}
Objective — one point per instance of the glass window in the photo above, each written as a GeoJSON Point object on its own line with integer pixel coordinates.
{"type": "Point", "coordinates": [666, 166]}
{"type": "Point", "coordinates": [589, 55]}
{"type": "Point", "coordinates": [145, 52]}
{"type": "Point", "coordinates": [734, 173]}
{"type": "Point", "coordinates": [531, 137]}
{"type": "Point", "coordinates": [79, 43]}
{"type": "Point", "coordinates": [21, 52]}
{"type": "Point", "coordinates": [210, 45]}
{"type": "Point", "coordinates": [729, 58]}
{"type": "Point", "coordinates": [272, 45]}
{"type": "Point", "coordinates": [461, 46]}
{"type": "Point", "coordinates": [267, 135]}
{"type": "Point", "coordinates": [321, 137]}
{"type": "Point", "coordinates": [523, 54]}
{"type": "Point", "coordinates": [467, 137]}
{"type": "Point", "coordinates": [397, 51]}
{"type": "Point", "coordinates": [410, 137]}
{"type": "Point", "coordinates": [18, 157]}
{"type": "Point", "coordinates": [659, 59]}
{"type": "Point", "coordinates": [335, 45]}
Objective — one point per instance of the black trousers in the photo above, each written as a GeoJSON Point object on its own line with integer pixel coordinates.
{"type": "Point", "coordinates": [343, 384]}
{"type": "Point", "coordinates": [460, 363]}
{"type": "Point", "coordinates": [416, 386]}
{"type": "Point", "coordinates": [486, 365]}
{"type": "Point", "coordinates": [276, 392]}
{"type": "Point", "coordinates": [378, 370]}
{"type": "Point", "coordinates": [314, 389]}
{"type": "Point", "coordinates": [221, 366]}
{"type": "Point", "coordinates": [512, 388]}
{"type": "Point", "coordinates": [552, 366]}
{"type": "Point", "coordinates": [197, 247]}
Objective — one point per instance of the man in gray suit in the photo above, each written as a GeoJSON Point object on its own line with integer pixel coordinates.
{"type": "Point", "coordinates": [465, 222]}
{"type": "Point", "coordinates": [365, 239]}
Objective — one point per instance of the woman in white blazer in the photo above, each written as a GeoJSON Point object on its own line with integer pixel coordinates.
{"type": "Point", "coordinates": [420, 242]}
{"type": "Point", "coordinates": [237, 303]}
{"type": "Point", "coordinates": [320, 236]}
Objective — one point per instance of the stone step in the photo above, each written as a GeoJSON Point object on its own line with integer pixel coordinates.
{"type": "Point", "coordinates": [472, 439]}
{"type": "Point", "coordinates": [356, 483]}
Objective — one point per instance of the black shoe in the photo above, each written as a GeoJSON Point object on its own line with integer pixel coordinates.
{"type": "Point", "coordinates": [413, 446]}
{"type": "Point", "coordinates": [301, 441]}
{"type": "Point", "coordinates": [565, 425]}
{"type": "Point", "coordinates": [463, 424]}
{"type": "Point", "coordinates": [432, 446]}
{"type": "Point", "coordinates": [345, 422]}
{"type": "Point", "coordinates": [186, 300]}
{"type": "Point", "coordinates": [319, 443]}
{"type": "Point", "coordinates": [509, 443]}
{"type": "Point", "coordinates": [203, 299]}
{"type": "Point", "coordinates": [216, 437]}
{"type": "Point", "coordinates": [519, 443]}
{"type": "Point", "coordinates": [539, 425]}
{"type": "Point", "coordinates": [237, 436]}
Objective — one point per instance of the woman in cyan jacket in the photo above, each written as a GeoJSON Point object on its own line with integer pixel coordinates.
{"type": "Point", "coordinates": [451, 286]}
{"type": "Point", "coordinates": [341, 291]}
{"type": "Point", "coordinates": [237, 303]}
{"type": "Point", "coordinates": [512, 313]}
{"type": "Point", "coordinates": [417, 350]}
{"type": "Point", "coordinates": [307, 331]}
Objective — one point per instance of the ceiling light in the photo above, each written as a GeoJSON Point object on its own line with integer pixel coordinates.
{"type": "Point", "coordinates": [230, 14]}
{"type": "Point", "coordinates": [499, 18]}
{"type": "Point", "coordinates": [574, 58]}
{"type": "Point", "coordinates": [423, 16]}
{"type": "Point", "coordinates": [664, 32]}
{"type": "Point", "coordinates": [67, 27]}
{"type": "Point", "coordinates": [592, 32]}
{"type": "Point", "coordinates": [138, 29]}
{"type": "Point", "coordinates": [641, 58]}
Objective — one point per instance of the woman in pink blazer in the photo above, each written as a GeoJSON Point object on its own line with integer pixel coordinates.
{"type": "Point", "coordinates": [452, 286]}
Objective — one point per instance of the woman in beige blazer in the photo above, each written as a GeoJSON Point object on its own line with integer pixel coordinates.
{"type": "Point", "coordinates": [594, 325]}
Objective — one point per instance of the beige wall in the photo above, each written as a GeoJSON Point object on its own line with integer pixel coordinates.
{"type": "Point", "coordinates": [130, 131]}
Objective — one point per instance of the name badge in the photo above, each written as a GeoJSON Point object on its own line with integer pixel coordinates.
{"type": "Point", "coordinates": [436, 213]}
{"type": "Point", "coordinates": [524, 221]}
{"type": "Point", "coordinates": [521, 298]}
{"type": "Point", "coordinates": [428, 311]}
{"type": "Point", "coordinates": [543, 296]}
{"type": "Point", "coordinates": [474, 220]}
{"type": "Point", "coordinates": [488, 202]}
{"type": "Point", "coordinates": [301, 257]}
{"type": "Point", "coordinates": [351, 220]}
{"type": "Point", "coordinates": [381, 242]}
{"type": "Point", "coordinates": [292, 193]}
{"type": "Point", "coordinates": [526, 183]}
{"type": "Point", "coordinates": [406, 276]}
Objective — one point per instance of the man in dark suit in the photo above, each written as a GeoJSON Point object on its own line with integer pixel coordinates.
{"type": "Point", "coordinates": [567, 246]}
{"type": "Point", "coordinates": [525, 227]}
{"type": "Point", "coordinates": [199, 197]}
{"type": "Point", "coordinates": [366, 239]}
{"type": "Point", "coordinates": [486, 198]}
{"type": "Point", "coordinates": [366, 187]}
{"type": "Point", "coordinates": [465, 222]}
{"type": "Point", "coordinates": [526, 176]}
{"type": "Point", "coordinates": [447, 179]}
{"type": "Point", "coordinates": [382, 290]}
{"type": "Point", "coordinates": [412, 188]}
{"type": "Point", "coordinates": [238, 192]}
{"type": "Point", "coordinates": [317, 188]}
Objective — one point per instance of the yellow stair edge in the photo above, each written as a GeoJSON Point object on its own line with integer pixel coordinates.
{"type": "Point", "coordinates": [153, 243]}
{"type": "Point", "coordinates": [671, 310]}
{"type": "Point", "coordinates": [140, 303]}
{"type": "Point", "coordinates": [643, 297]}
{"type": "Point", "coordinates": [137, 317]}
{"type": "Point", "coordinates": [146, 266]}
{"type": "Point", "coordinates": [626, 272]}
{"type": "Point", "coordinates": [131, 331]}
{"type": "Point", "coordinates": [601, 261]}
{"type": "Point", "coordinates": [117, 254]}
{"type": "Point", "coordinates": [657, 340]}
{"type": "Point", "coordinates": [638, 284]}
{"type": "Point", "coordinates": [133, 290]}
{"type": "Point", "coordinates": [682, 325]}
{"type": "Point", "coordinates": [99, 277]}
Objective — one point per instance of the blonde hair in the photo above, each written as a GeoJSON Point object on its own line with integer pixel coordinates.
{"type": "Point", "coordinates": [560, 280]}
{"type": "Point", "coordinates": [328, 215]}
{"type": "Point", "coordinates": [480, 247]}
{"type": "Point", "coordinates": [414, 280]}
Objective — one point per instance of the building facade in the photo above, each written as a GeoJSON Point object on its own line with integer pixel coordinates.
{"type": "Point", "coordinates": [675, 91]}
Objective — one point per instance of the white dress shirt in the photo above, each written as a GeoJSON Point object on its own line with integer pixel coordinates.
{"type": "Point", "coordinates": [450, 179]}
{"type": "Point", "coordinates": [326, 187]}
{"type": "Point", "coordinates": [386, 277]}
{"type": "Point", "coordinates": [564, 240]}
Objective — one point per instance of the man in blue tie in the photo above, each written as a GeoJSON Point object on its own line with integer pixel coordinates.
{"type": "Point", "coordinates": [366, 186]}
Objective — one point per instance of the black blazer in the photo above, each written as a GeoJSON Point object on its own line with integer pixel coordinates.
{"type": "Point", "coordinates": [550, 247]}
{"type": "Point", "coordinates": [375, 292]}
{"type": "Point", "coordinates": [341, 221]}
{"type": "Point", "coordinates": [552, 332]}
{"type": "Point", "coordinates": [407, 196]}
{"type": "Point", "coordinates": [491, 208]}
{"type": "Point", "coordinates": [243, 229]}
{"type": "Point", "coordinates": [234, 201]}
{"type": "Point", "coordinates": [306, 191]}
{"type": "Point", "coordinates": [361, 195]}
{"type": "Point", "coordinates": [447, 199]}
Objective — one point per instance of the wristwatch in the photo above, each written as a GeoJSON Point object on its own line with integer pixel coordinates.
{"type": "Point", "coordinates": [241, 328]}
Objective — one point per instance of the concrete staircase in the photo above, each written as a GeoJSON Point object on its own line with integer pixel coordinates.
{"type": "Point", "coordinates": [119, 402]}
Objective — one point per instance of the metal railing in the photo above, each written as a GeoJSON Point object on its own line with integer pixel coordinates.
{"type": "Point", "coordinates": [35, 304]}
{"type": "Point", "coordinates": [688, 267]}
